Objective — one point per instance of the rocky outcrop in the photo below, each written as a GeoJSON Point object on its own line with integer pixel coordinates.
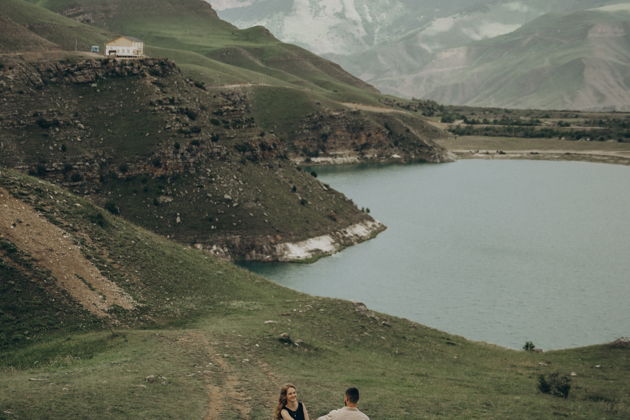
{"type": "Point", "coordinates": [84, 71]}
{"type": "Point", "coordinates": [325, 137]}
{"type": "Point", "coordinates": [273, 249]}
{"type": "Point", "coordinates": [171, 155]}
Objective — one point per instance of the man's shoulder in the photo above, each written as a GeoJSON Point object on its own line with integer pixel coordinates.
{"type": "Point", "coordinates": [346, 413]}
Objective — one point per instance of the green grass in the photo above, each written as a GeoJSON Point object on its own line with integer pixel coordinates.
{"type": "Point", "coordinates": [60, 30]}
{"type": "Point", "coordinates": [203, 335]}
{"type": "Point", "coordinates": [179, 29]}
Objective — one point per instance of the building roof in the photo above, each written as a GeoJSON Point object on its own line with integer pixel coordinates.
{"type": "Point", "coordinates": [130, 38]}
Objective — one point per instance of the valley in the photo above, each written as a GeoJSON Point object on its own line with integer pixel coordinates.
{"type": "Point", "coordinates": [129, 186]}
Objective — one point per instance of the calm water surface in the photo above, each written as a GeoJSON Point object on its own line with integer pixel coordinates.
{"type": "Point", "coordinates": [496, 251]}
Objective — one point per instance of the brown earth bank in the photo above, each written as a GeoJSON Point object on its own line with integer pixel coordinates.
{"type": "Point", "coordinates": [188, 161]}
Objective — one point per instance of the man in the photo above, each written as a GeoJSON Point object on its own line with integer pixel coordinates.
{"type": "Point", "coordinates": [350, 411]}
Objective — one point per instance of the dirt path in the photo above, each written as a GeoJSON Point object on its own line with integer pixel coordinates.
{"type": "Point", "coordinates": [238, 85]}
{"type": "Point", "coordinates": [372, 108]}
{"type": "Point", "coordinates": [224, 388]}
{"type": "Point", "coordinates": [53, 249]}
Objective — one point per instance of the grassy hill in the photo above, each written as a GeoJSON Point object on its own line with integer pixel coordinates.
{"type": "Point", "coordinates": [147, 143]}
{"type": "Point", "coordinates": [193, 26]}
{"type": "Point", "coordinates": [201, 337]}
{"type": "Point", "coordinates": [201, 153]}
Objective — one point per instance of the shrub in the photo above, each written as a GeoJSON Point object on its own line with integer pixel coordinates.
{"type": "Point", "coordinates": [529, 346]}
{"type": "Point", "coordinates": [112, 207]}
{"type": "Point", "coordinates": [98, 219]}
{"type": "Point", "coordinates": [554, 384]}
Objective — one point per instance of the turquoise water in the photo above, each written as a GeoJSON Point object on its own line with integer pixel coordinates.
{"type": "Point", "coordinates": [497, 251]}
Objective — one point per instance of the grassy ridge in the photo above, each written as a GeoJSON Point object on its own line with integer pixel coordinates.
{"type": "Point", "coordinates": [65, 33]}
{"type": "Point", "coordinates": [207, 336]}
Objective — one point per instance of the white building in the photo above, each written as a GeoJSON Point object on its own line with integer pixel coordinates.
{"type": "Point", "coordinates": [125, 46]}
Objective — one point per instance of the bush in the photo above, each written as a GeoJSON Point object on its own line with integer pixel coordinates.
{"type": "Point", "coordinates": [448, 118]}
{"type": "Point", "coordinates": [112, 207]}
{"type": "Point", "coordinates": [554, 384]}
{"type": "Point", "coordinates": [529, 346]}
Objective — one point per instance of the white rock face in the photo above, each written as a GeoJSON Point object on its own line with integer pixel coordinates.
{"type": "Point", "coordinates": [327, 244]}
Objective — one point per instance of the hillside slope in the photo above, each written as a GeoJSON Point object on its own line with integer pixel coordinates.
{"type": "Point", "coordinates": [208, 164]}
{"type": "Point", "coordinates": [202, 338]}
{"type": "Point", "coordinates": [186, 162]}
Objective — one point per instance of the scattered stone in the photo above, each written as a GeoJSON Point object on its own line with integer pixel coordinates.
{"type": "Point", "coordinates": [285, 338]}
{"type": "Point", "coordinates": [573, 374]}
{"type": "Point", "coordinates": [271, 322]}
{"type": "Point", "coordinates": [621, 343]}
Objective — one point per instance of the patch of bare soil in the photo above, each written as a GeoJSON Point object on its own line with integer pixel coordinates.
{"type": "Point", "coordinates": [53, 249]}
{"type": "Point", "coordinates": [224, 394]}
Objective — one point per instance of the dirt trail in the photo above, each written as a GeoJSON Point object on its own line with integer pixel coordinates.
{"type": "Point", "coordinates": [54, 250]}
{"type": "Point", "coordinates": [371, 108]}
{"type": "Point", "coordinates": [224, 394]}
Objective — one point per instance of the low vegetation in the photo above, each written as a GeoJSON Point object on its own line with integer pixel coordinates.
{"type": "Point", "coordinates": [210, 339]}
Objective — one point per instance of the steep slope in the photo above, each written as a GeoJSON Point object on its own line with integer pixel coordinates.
{"type": "Point", "coordinates": [184, 161]}
{"type": "Point", "coordinates": [27, 22]}
{"type": "Point", "coordinates": [205, 339]}
{"type": "Point", "coordinates": [576, 61]}
{"type": "Point", "coordinates": [208, 165]}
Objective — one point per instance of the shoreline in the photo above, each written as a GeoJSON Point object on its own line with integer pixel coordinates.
{"type": "Point", "coordinates": [616, 158]}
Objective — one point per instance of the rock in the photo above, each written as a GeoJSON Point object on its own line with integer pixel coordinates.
{"type": "Point", "coordinates": [621, 343]}
{"type": "Point", "coordinates": [285, 338]}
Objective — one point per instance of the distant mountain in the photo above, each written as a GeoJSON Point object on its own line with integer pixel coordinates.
{"type": "Point", "coordinates": [575, 61]}
{"type": "Point", "coordinates": [390, 43]}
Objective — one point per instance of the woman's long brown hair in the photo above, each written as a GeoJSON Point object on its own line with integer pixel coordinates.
{"type": "Point", "coordinates": [282, 401]}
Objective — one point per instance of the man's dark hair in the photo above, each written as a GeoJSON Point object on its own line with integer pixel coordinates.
{"type": "Point", "coordinates": [353, 395]}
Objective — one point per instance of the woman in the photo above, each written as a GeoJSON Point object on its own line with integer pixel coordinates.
{"type": "Point", "coordinates": [289, 408]}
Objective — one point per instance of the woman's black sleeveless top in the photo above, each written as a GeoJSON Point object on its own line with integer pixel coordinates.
{"type": "Point", "coordinates": [297, 414]}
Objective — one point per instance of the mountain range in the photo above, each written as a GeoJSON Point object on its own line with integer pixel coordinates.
{"type": "Point", "coordinates": [454, 51]}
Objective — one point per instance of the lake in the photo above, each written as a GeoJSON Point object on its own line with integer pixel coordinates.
{"type": "Point", "coordinates": [497, 251]}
